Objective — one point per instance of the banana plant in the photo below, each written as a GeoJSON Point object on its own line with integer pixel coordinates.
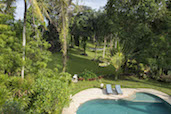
{"type": "Point", "coordinates": [118, 60]}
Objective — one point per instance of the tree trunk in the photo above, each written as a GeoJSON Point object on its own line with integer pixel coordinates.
{"type": "Point", "coordinates": [77, 40]}
{"type": "Point", "coordinates": [84, 48]}
{"type": "Point", "coordinates": [72, 44]}
{"type": "Point", "coordinates": [24, 38]}
{"type": "Point", "coordinates": [64, 32]}
{"type": "Point", "coordinates": [111, 44]}
{"type": "Point", "coordinates": [84, 42]}
{"type": "Point", "coordinates": [64, 53]}
{"type": "Point", "coordinates": [104, 48]}
{"type": "Point", "coordinates": [95, 51]}
{"type": "Point", "coordinates": [116, 43]}
{"type": "Point", "coordinates": [95, 47]}
{"type": "Point", "coordinates": [116, 74]}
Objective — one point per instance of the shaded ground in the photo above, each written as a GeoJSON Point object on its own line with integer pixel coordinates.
{"type": "Point", "coordinates": [77, 63]}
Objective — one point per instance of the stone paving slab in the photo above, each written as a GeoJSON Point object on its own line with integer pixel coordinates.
{"type": "Point", "coordinates": [96, 93]}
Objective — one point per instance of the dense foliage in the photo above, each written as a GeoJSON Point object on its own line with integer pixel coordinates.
{"type": "Point", "coordinates": [42, 90]}
{"type": "Point", "coordinates": [10, 47]}
{"type": "Point", "coordinates": [87, 75]}
{"type": "Point", "coordinates": [135, 35]}
{"type": "Point", "coordinates": [46, 93]}
{"type": "Point", "coordinates": [50, 94]}
{"type": "Point", "coordinates": [142, 29]}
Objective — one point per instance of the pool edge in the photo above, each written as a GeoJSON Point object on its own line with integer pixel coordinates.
{"type": "Point", "coordinates": [96, 93]}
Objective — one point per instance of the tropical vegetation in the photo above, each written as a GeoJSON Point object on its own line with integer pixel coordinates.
{"type": "Point", "coordinates": [127, 42]}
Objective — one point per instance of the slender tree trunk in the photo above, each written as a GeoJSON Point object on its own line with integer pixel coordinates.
{"type": "Point", "coordinates": [64, 38]}
{"type": "Point", "coordinates": [104, 48]}
{"type": "Point", "coordinates": [94, 39]}
{"type": "Point", "coordinates": [111, 44]}
{"type": "Point", "coordinates": [24, 38]}
{"type": "Point", "coordinates": [116, 75]}
{"type": "Point", "coordinates": [95, 47]}
{"type": "Point", "coordinates": [116, 40]}
{"type": "Point", "coordinates": [116, 43]}
{"type": "Point", "coordinates": [84, 48]}
{"type": "Point", "coordinates": [72, 45]}
{"type": "Point", "coordinates": [95, 51]}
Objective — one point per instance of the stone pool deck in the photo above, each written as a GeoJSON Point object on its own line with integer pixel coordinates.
{"type": "Point", "coordinates": [96, 93]}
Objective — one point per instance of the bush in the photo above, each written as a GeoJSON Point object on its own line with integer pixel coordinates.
{"type": "Point", "coordinates": [87, 75]}
{"type": "Point", "coordinates": [51, 94]}
{"type": "Point", "coordinates": [46, 93]}
{"type": "Point", "coordinates": [4, 92]}
{"type": "Point", "coordinates": [4, 95]}
{"type": "Point", "coordinates": [21, 89]}
{"type": "Point", "coordinates": [166, 78]}
{"type": "Point", "coordinates": [103, 60]}
{"type": "Point", "coordinates": [12, 108]}
{"type": "Point", "coordinates": [15, 89]}
{"type": "Point", "coordinates": [132, 66]}
{"type": "Point", "coordinates": [117, 61]}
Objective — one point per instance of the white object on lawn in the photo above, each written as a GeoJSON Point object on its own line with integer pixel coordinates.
{"type": "Point", "coordinates": [101, 85]}
{"type": "Point", "coordinates": [75, 78]}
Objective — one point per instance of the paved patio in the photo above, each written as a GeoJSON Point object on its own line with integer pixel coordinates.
{"type": "Point", "coordinates": [96, 93]}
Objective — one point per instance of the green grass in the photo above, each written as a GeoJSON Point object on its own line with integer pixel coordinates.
{"type": "Point", "coordinates": [78, 63]}
{"type": "Point", "coordinates": [130, 82]}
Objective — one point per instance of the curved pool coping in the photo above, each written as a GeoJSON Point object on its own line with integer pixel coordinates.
{"type": "Point", "coordinates": [96, 93]}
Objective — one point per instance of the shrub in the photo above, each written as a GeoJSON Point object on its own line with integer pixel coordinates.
{"type": "Point", "coordinates": [132, 65]}
{"type": "Point", "coordinates": [166, 78]}
{"type": "Point", "coordinates": [4, 95]}
{"type": "Point", "coordinates": [15, 89]}
{"type": "Point", "coordinates": [103, 60]}
{"type": "Point", "coordinates": [12, 107]}
{"type": "Point", "coordinates": [87, 75]}
{"type": "Point", "coordinates": [21, 89]}
{"type": "Point", "coordinates": [117, 61]}
{"type": "Point", "coordinates": [51, 94]}
{"type": "Point", "coordinates": [4, 92]}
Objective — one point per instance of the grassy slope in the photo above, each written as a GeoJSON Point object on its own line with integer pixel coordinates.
{"type": "Point", "coordinates": [77, 63]}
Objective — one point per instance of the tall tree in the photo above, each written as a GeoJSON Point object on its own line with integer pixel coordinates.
{"type": "Point", "coordinates": [64, 6]}
{"type": "Point", "coordinates": [134, 20]}
{"type": "Point", "coordinates": [59, 13]}
{"type": "Point", "coordinates": [38, 12]}
{"type": "Point", "coordinates": [64, 32]}
{"type": "Point", "coordinates": [82, 26]}
{"type": "Point", "coordinates": [24, 37]}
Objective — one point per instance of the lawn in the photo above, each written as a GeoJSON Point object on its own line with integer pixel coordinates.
{"type": "Point", "coordinates": [77, 63]}
{"type": "Point", "coordinates": [129, 82]}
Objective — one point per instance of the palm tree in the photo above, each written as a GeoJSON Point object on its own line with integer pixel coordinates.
{"type": "Point", "coordinates": [24, 37]}
{"type": "Point", "coordinates": [118, 59]}
{"type": "Point", "coordinates": [38, 12]}
{"type": "Point", "coordinates": [64, 9]}
{"type": "Point", "coordinates": [60, 10]}
{"type": "Point", "coordinates": [64, 32]}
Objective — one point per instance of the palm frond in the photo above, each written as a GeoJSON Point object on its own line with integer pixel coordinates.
{"type": "Point", "coordinates": [37, 10]}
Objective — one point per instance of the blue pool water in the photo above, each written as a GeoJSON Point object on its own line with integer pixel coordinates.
{"type": "Point", "coordinates": [146, 97]}
{"type": "Point", "coordinates": [138, 105]}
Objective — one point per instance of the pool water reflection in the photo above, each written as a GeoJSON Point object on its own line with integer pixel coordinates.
{"type": "Point", "coordinates": [142, 103]}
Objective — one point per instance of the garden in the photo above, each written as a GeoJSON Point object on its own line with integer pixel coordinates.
{"type": "Point", "coordinates": [124, 43]}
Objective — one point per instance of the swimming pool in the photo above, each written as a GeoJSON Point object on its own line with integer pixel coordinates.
{"type": "Point", "coordinates": [140, 103]}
